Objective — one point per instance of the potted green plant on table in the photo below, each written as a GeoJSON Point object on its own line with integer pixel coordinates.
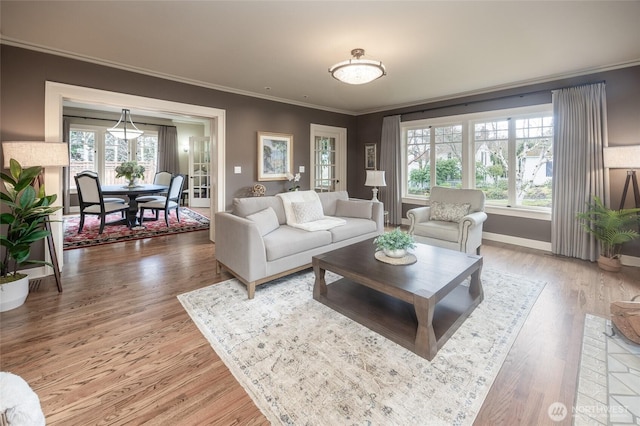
{"type": "Point", "coordinates": [611, 228]}
{"type": "Point", "coordinates": [28, 210]}
{"type": "Point", "coordinates": [394, 243]}
{"type": "Point", "coordinates": [131, 171]}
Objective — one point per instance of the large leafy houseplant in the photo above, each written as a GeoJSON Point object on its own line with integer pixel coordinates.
{"type": "Point", "coordinates": [28, 210]}
{"type": "Point", "coordinates": [611, 228]}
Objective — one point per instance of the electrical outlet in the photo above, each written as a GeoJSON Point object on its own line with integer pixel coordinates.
{"type": "Point", "coordinates": [301, 169]}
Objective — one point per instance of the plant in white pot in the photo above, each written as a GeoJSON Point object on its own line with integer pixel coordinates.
{"type": "Point", "coordinates": [394, 243]}
{"type": "Point", "coordinates": [28, 210]}
{"type": "Point", "coordinates": [611, 228]}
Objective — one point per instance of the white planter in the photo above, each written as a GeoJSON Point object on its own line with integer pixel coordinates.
{"type": "Point", "coordinates": [395, 253]}
{"type": "Point", "coordinates": [13, 294]}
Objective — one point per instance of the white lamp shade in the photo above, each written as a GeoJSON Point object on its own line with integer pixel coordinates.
{"type": "Point", "coordinates": [375, 178]}
{"type": "Point", "coordinates": [622, 157]}
{"type": "Point", "coordinates": [29, 153]}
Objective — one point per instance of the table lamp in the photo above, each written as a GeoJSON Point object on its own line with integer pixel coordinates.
{"type": "Point", "coordinates": [375, 178]}
{"type": "Point", "coordinates": [44, 154]}
{"type": "Point", "coordinates": [625, 157]}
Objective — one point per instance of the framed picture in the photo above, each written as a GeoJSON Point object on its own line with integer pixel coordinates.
{"type": "Point", "coordinates": [369, 156]}
{"type": "Point", "coordinates": [275, 156]}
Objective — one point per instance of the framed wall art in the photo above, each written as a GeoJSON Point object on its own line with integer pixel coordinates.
{"type": "Point", "coordinates": [370, 156]}
{"type": "Point", "coordinates": [275, 156]}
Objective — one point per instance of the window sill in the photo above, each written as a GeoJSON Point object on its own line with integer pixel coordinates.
{"type": "Point", "coordinates": [498, 210]}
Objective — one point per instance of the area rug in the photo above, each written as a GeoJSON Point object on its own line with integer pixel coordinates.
{"type": "Point", "coordinates": [189, 221]}
{"type": "Point", "coordinates": [609, 378]}
{"type": "Point", "coordinates": [304, 364]}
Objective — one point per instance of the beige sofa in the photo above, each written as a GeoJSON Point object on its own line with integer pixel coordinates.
{"type": "Point", "coordinates": [260, 240]}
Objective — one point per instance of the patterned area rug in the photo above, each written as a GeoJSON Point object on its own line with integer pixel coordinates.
{"type": "Point", "coordinates": [303, 363]}
{"type": "Point", "coordinates": [609, 379]}
{"type": "Point", "coordinates": [189, 221]}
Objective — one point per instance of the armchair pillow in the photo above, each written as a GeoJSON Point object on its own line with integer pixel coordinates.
{"type": "Point", "coordinates": [449, 212]}
{"type": "Point", "coordinates": [266, 220]}
{"type": "Point", "coordinates": [357, 209]}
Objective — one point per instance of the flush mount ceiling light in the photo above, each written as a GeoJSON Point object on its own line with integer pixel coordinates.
{"type": "Point", "coordinates": [120, 130]}
{"type": "Point", "coordinates": [356, 70]}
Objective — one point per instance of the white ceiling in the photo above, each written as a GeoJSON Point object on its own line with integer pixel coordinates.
{"type": "Point", "coordinates": [282, 50]}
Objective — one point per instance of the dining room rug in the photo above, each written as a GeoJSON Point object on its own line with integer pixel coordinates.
{"type": "Point", "coordinates": [189, 221]}
{"type": "Point", "coordinates": [304, 363]}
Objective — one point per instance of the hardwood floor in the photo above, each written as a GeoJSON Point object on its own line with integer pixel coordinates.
{"type": "Point", "coordinates": [116, 347]}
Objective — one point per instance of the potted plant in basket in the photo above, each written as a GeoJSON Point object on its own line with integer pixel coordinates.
{"type": "Point", "coordinates": [131, 171]}
{"type": "Point", "coordinates": [394, 243]}
{"type": "Point", "coordinates": [611, 228]}
{"type": "Point", "coordinates": [28, 210]}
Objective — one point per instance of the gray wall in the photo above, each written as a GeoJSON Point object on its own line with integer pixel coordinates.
{"type": "Point", "coordinates": [24, 72]}
{"type": "Point", "coordinates": [623, 108]}
{"type": "Point", "coordinates": [22, 84]}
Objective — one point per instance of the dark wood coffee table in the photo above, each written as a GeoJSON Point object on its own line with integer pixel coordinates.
{"type": "Point", "coordinates": [418, 306]}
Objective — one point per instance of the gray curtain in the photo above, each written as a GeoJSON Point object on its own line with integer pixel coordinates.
{"type": "Point", "coordinates": [580, 132]}
{"type": "Point", "coordinates": [390, 162]}
{"type": "Point", "coordinates": [168, 149]}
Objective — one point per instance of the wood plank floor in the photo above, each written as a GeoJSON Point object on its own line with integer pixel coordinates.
{"type": "Point", "coordinates": [116, 347]}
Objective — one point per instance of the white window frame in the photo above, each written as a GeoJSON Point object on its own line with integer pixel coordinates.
{"type": "Point", "coordinates": [468, 163]}
{"type": "Point", "coordinates": [99, 157]}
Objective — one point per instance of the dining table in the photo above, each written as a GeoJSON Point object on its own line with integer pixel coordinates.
{"type": "Point", "coordinates": [132, 193]}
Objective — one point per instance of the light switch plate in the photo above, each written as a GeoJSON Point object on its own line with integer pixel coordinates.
{"type": "Point", "coordinates": [301, 169]}
{"type": "Point", "coordinates": [237, 170]}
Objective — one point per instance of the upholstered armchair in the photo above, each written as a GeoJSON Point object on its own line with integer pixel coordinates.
{"type": "Point", "coordinates": [453, 219]}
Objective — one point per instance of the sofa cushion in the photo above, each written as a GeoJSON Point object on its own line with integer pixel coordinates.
{"type": "Point", "coordinates": [352, 208]}
{"type": "Point", "coordinates": [329, 201]}
{"type": "Point", "coordinates": [307, 211]}
{"type": "Point", "coordinates": [266, 220]}
{"type": "Point", "coordinates": [287, 240]}
{"type": "Point", "coordinates": [295, 197]}
{"type": "Point", "coordinates": [243, 207]}
{"type": "Point", "coordinates": [439, 230]}
{"type": "Point", "coordinates": [353, 228]}
{"type": "Point", "coordinates": [449, 212]}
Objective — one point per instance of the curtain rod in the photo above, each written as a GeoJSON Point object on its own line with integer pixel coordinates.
{"type": "Point", "coordinates": [109, 119]}
{"type": "Point", "coordinates": [519, 95]}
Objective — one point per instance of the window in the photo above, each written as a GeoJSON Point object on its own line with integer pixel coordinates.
{"type": "Point", "coordinates": [507, 153]}
{"type": "Point", "coordinates": [93, 148]}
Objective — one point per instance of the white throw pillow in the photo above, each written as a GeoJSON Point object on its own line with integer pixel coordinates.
{"type": "Point", "coordinates": [449, 212]}
{"type": "Point", "coordinates": [266, 220]}
{"type": "Point", "coordinates": [307, 211]}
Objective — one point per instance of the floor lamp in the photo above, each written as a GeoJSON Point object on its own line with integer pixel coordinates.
{"type": "Point", "coordinates": [625, 157]}
{"type": "Point", "coordinates": [44, 154]}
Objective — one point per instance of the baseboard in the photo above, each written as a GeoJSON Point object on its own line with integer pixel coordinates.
{"type": "Point", "coordinates": [630, 260]}
{"type": "Point", "coordinates": [524, 242]}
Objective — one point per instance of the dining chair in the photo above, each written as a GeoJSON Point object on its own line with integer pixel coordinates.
{"type": "Point", "coordinates": [92, 202]}
{"type": "Point", "coordinates": [160, 178]}
{"type": "Point", "coordinates": [168, 203]}
{"type": "Point", "coordinates": [106, 199]}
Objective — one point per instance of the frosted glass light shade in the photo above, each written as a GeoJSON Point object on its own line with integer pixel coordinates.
{"type": "Point", "coordinates": [29, 154]}
{"type": "Point", "coordinates": [121, 131]}
{"type": "Point", "coordinates": [356, 70]}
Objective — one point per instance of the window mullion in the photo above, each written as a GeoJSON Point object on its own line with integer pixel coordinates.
{"type": "Point", "coordinates": [512, 163]}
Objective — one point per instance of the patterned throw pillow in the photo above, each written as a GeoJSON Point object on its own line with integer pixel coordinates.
{"type": "Point", "coordinates": [449, 212]}
{"type": "Point", "coordinates": [307, 211]}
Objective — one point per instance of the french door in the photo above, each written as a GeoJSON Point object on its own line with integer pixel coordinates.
{"type": "Point", "coordinates": [199, 171]}
{"type": "Point", "coordinates": [328, 158]}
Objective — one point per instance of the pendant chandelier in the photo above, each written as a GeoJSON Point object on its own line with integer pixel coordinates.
{"type": "Point", "coordinates": [120, 130]}
{"type": "Point", "coordinates": [356, 70]}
